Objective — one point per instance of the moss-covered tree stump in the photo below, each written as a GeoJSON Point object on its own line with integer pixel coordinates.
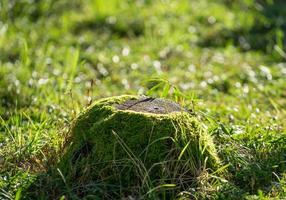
{"type": "Point", "coordinates": [129, 141]}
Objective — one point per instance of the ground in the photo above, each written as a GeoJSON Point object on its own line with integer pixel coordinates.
{"type": "Point", "coordinates": [224, 60]}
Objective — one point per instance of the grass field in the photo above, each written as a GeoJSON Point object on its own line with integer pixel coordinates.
{"type": "Point", "coordinates": [225, 59]}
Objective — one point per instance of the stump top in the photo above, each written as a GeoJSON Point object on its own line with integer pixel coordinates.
{"type": "Point", "coordinates": [150, 105]}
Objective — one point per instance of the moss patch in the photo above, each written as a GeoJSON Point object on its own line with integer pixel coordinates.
{"type": "Point", "coordinates": [115, 144]}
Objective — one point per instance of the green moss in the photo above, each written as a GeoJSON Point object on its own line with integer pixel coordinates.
{"type": "Point", "coordinates": [124, 146]}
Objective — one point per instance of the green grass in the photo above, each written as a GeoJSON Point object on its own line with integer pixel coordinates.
{"type": "Point", "coordinates": [224, 59]}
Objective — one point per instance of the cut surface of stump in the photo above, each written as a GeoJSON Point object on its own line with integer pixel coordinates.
{"type": "Point", "coordinates": [150, 105]}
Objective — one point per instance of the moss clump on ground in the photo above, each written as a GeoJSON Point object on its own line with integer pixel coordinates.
{"type": "Point", "coordinates": [120, 147]}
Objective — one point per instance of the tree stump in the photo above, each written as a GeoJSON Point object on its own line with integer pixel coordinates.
{"type": "Point", "coordinates": [129, 141]}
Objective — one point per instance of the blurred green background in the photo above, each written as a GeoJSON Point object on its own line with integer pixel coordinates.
{"type": "Point", "coordinates": [225, 58]}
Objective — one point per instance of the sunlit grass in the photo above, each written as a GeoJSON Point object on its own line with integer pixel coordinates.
{"type": "Point", "coordinates": [224, 60]}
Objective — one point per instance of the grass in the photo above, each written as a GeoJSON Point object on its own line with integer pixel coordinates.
{"type": "Point", "coordinates": [224, 59]}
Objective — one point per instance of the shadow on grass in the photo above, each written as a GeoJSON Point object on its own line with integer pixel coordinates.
{"type": "Point", "coordinates": [268, 29]}
{"type": "Point", "coordinates": [11, 97]}
{"type": "Point", "coordinates": [119, 26]}
{"type": "Point", "coordinates": [255, 163]}
{"type": "Point", "coordinates": [34, 10]}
